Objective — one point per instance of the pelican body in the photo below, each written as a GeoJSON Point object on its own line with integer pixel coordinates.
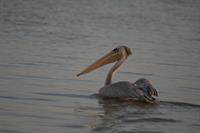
{"type": "Point", "coordinates": [141, 90]}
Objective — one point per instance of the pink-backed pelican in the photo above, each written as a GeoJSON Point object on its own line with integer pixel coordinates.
{"type": "Point", "coordinates": [141, 90]}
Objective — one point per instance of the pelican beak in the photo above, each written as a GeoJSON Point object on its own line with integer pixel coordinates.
{"type": "Point", "coordinates": [107, 59]}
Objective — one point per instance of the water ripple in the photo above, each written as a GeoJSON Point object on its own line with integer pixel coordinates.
{"type": "Point", "coordinates": [192, 88]}
{"type": "Point", "coordinates": [63, 95]}
{"type": "Point", "coordinates": [36, 116]}
{"type": "Point", "coordinates": [101, 128]}
{"type": "Point", "coordinates": [139, 132]}
{"type": "Point", "coordinates": [72, 126]}
{"type": "Point", "coordinates": [180, 104]}
{"type": "Point", "coordinates": [10, 131]}
{"type": "Point", "coordinates": [25, 98]}
{"type": "Point", "coordinates": [13, 76]}
{"type": "Point", "coordinates": [176, 65]}
{"type": "Point", "coordinates": [151, 120]}
{"type": "Point", "coordinates": [133, 73]}
{"type": "Point", "coordinates": [23, 21]}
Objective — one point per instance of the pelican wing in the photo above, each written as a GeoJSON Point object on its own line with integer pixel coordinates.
{"type": "Point", "coordinates": [116, 90]}
{"type": "Point", "coordinates": [125, 89]}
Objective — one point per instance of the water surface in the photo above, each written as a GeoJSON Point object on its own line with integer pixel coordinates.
{"type": "Point", "coordinates": [44, 44]}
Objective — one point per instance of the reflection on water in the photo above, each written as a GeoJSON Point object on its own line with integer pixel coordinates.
{"type": "Point", "coordinates": [131, 117]}
{"type": "Point", "coordinates": [44, 44]}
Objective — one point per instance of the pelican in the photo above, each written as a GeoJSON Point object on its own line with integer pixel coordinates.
{"type": "Point", "coordinates": [141, 90]}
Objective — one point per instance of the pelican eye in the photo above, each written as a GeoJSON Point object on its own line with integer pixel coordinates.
{"type": "Point", "coordinates": [115, 50]}
{"type": "Point", "coordinates": [128, 51]}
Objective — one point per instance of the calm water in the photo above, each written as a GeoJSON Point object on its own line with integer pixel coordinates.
{"type": "Point", "coordinates": [45, 43]}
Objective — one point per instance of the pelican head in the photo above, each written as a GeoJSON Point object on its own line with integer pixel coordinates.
{"type": "Point", "coordinates": [117, 54]}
